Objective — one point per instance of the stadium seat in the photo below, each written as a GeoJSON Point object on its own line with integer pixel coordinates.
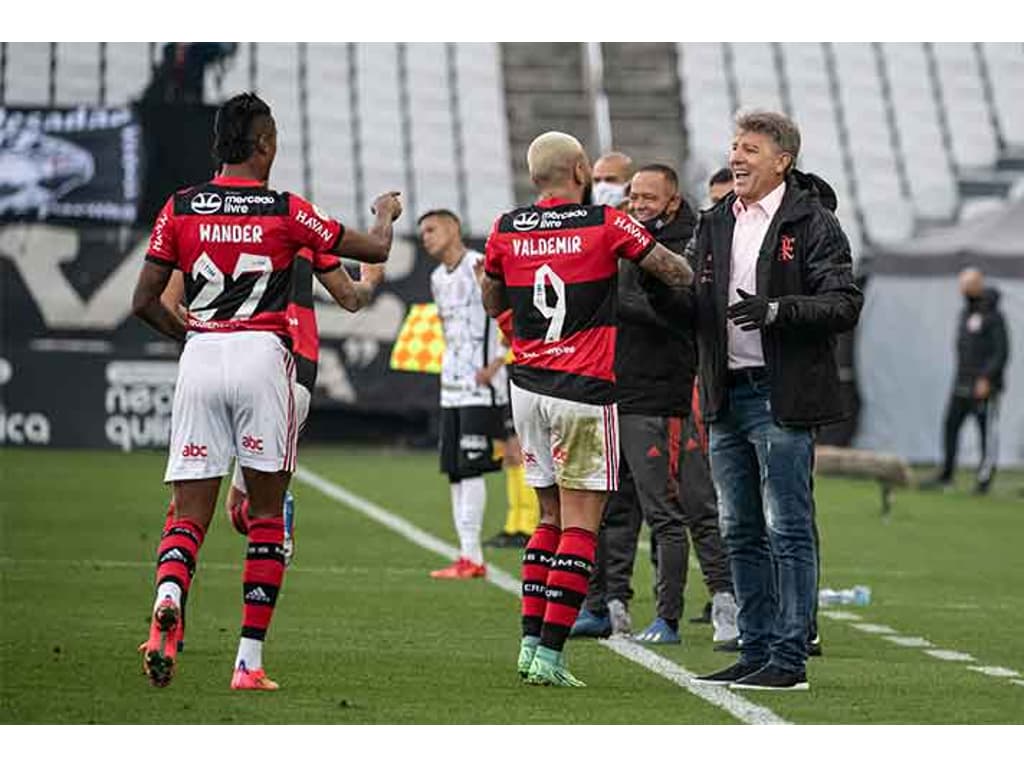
{"type": "Point", "coordinates": [708, 109]}
{"type": "Point", "coordinates": [28, 74]}
{"type": "Point", "coordinates": [78, 73]}
{"type": "Point", "coordinates": [484, 135]}
{"type": "Point", "coordinates": [330, 131]}
{"type": "Point", "coordinates": [963, 98]}
{"type": "Point", "coordinates": [929, 173]}
{"type": "Point", "coordinates": [757, 80]}
{"type": "Point", "coordinates": [128, 71]}
{"type": "Point", "coordinates": [1005, 62]}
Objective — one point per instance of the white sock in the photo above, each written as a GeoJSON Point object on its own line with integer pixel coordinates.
{"type": "Point", "coordinates": [250, 654]}
{"type": "Point", "coordinates": [168, 589]}
{"type": "Point", "coordinates": [456, 489]}
{"type": "Point", "coordinates": [471, 518]}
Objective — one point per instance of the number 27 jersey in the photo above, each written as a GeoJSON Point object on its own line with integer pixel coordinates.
{"type": "Point", "coordinates": [236, 241]}
{"type": "Point", "coordinates": [559, 263]}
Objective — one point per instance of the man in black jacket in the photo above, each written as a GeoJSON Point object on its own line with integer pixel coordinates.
{"type": "Point", "coordinates": [654, 368]}
{"type": "Point", "coordinates": [982, 349]}
{"type": "Point", "coordinates": [774, 286]}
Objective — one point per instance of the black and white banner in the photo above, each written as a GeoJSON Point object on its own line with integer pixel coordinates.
{"type": "Point", "coordinates": [81, 164]}
{"type": "Point", "coordinates": [77, 370]}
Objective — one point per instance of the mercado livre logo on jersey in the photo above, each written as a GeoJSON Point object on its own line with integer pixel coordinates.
{"type": "Point", "coordinates": [205, 203]}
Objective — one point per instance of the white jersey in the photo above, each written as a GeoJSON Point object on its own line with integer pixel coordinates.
{"type": "Point", "coordinates": [471, 338]}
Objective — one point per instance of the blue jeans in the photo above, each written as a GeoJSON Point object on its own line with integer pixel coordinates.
{"type": "Point", "coordinates": [762, 474]}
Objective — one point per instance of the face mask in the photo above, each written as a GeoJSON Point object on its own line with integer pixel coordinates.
{"type": "Point", "coordinates": [656, 223]}
{"type": "Point", "coordinates": [609, 193]}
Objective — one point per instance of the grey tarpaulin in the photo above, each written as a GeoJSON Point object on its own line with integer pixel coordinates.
{"type": "Point", "coordinates": [907, 336]}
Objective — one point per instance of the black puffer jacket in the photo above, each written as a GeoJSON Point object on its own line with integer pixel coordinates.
{"type": "Point", "coordinates": [655, 354]}
{"type": "Point", "coordinates": [804, 263]}
{"type": "Point", "coordinates": [982, 346]}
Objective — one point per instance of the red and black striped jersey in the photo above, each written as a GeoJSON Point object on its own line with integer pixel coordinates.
{"type": "Point", "coordinates": [301, 314]}
{"type": "Point", "coordinates": [558, 260]}
{"type": "Point", "coordinates": [236, 241]}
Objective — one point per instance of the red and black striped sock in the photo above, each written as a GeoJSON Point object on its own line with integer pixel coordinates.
{"type": "Point", "coordinates": [176, 556]}
{"type": "Point", "coordinates": [262, 576]}
{"type": "Point", "coordinates": [567, 585]}
{"type": "Point", "coordinates": [540, 550]}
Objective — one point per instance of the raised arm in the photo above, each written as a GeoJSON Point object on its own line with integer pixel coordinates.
{"type": "Point", "coordinates": [351, 294]}
{"type": "Point", "coordinates": [374, 245]}
{"type": "Point", "coordinates": [668, 266]}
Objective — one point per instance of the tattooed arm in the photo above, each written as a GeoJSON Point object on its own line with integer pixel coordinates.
{"type": "Point", "coordinates": [669, 267]}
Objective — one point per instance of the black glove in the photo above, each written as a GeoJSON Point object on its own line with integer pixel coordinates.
{"type": "Point", "coordinates": [753, 312]}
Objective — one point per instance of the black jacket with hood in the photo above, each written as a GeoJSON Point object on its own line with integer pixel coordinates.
{"type": "Point", "coordinates": [982, 345]}
{"type": "Point", "coordinates": [804, 264]}
{"type": "Point", "coordinates": [655, 352]}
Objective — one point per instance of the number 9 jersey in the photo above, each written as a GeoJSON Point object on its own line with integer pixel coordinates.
{"type": "Point", "coordinates": [235, 241]}
{"type": "Point", "coordinates": [559, 263]}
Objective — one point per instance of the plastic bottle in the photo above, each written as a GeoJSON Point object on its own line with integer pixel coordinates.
{"type": "Point", "coordinates": [859, 595]}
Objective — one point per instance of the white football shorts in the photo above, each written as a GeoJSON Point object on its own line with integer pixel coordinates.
{"type": "Point", "coordinates": [235, 396]}
{"type": "Point", "coordinates": [566, 443]}
{"type": "Point", "coordinates": [302, 400]}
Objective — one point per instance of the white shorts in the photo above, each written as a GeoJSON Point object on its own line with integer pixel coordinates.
{"type": "Point", "coordinates": [234, 397]}
{"type": "Point", "coordinates": [302, 399]}
{"type": "Point", "coordinates": [566, 443]}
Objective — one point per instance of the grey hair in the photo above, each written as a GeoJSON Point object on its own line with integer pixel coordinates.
{"type": "Point", "coordinates": [781, 129]}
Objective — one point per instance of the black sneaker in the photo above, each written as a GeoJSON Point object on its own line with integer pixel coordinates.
{"type": "Point", "coordinates": [519, 540]}
{"type": "Point", "coordinates": [704, 618]}
{"type": "Point", "coordinates": [772, 678]}
{"type": "Point", "coordinates": [502, 540]}
{"type": "Point", "coordinates": [814, 646]}
{"type": "Point", "coordinates": [729, 674]}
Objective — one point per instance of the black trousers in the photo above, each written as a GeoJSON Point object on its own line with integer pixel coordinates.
{"type": "Point", "coordinates": [653, 450]}
{"type": "Point", "coordinates": [986, 413]}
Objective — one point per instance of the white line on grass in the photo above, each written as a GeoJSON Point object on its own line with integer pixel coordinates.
{"type": "Point", "coordinates": [908, 642]}
{"type": "Point", "coordinates": [875, 629]}
{"type": "Point", "coordinates": [888, 633]}
{"type": "Point", "coordinates": [996, 671]}
{"type": "Point", "coordinates": [735, 705]}
{"type": "Point", "coordinates": [942, 653]}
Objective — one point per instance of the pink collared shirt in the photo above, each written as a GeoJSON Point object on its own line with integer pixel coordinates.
{"type": "Point", "coordinates": [752, 221]}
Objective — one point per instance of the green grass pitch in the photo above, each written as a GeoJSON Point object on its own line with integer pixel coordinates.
{"type": "Point", "coordinates": [362, 635]}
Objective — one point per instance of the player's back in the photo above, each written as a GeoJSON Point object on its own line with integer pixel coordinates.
{"type": "Point", "coordinates": [558, 260]}
{"type": "Point", "coordinates": [235, 240]}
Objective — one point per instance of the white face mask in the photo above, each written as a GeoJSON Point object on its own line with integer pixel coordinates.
{"type": "Point", "coordinates": [609, 193]}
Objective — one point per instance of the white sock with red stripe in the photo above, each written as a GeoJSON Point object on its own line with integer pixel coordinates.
{"type": "Point", "coordinates": [470, 518]}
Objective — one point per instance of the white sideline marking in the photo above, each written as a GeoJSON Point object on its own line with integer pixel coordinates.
{"type": "Point", "coordinates": [888, 633]}
{"type": "Point", "coordinates": [941, 653]}
{"type": "Point", "coordinates": [875, 629]}
{"type": "Point", "coordinates": [735, 705]}
{"type": "Point", "coordinates": [720, 696]}
{"type": "Point", "coordinates": [908, 642]}
{"type": "Point", "coordinates": [841, 615]}
{"type": "Point", "coordinates": [996, 671]}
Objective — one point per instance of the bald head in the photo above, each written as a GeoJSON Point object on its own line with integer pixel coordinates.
{"type": "Point", "coordinates": [972, 282]}
{"type": "Point", "coordinates": [557, 159]}
{"type": "Point", "coordinates": [614, 167]}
